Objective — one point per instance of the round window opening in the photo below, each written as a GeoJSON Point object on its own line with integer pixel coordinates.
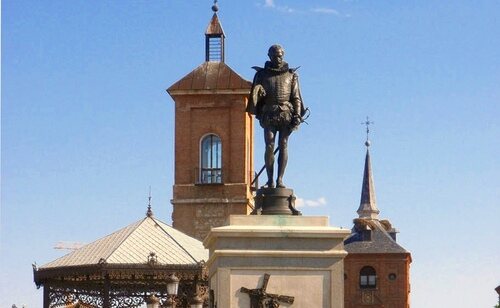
{"type": "Point", "coordinates": [392, 276]}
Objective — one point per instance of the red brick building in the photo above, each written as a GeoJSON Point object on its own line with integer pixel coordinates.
{"type": "Point", "coordinates": [377, 268]}
{"type": "Point", "coordinates": [213, 142]}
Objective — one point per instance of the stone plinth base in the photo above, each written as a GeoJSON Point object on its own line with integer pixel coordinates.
{"type": "Point", "coordinates": [302, 255]}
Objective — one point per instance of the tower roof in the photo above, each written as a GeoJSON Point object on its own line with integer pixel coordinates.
{"type": "Point", "coordinates": [214, 38]}
{"type": "Point", "coordinates": [210, 76]}
{"type": "Point", "coordinates": [213, 76]}
{"type": "Point", "coordinates": [214, 27]}
{"type": "Point", "coordinates": [368, 204]}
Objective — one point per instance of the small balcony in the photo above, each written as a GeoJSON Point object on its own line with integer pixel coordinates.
{"type": "Point", "coordinates": [205, 176]}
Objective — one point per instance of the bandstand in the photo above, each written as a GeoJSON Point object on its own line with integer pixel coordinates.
{"type": "Point", "coordinates": [147, 262]}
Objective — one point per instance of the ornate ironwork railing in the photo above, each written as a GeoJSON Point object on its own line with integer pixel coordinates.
{"type": "Point", "coordinates": [209, 176]}
{"type": "Point", "coordinates": [119, 286]}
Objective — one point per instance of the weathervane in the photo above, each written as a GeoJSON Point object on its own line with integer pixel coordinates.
{"type": "Point", "coordinates": [215, 7]}
{"type": "Point", "coordinates": [367, 123]}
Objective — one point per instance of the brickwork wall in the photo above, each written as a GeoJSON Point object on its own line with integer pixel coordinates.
{"type": "Point", "coordinates": [198, 207]}
{"type": "Point", "coordinates": [388, 293]}
{"type": "Point", "coordinates": [206, 216]}
{"type": "Point", "coordinates": [223, 115]}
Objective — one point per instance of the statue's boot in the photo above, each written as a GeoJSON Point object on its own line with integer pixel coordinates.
{"type": "Point", "coordinates": [282, 160]}
{"type": "Point", "coordinates": [279, 183]}
{"type": "Point", "coordinates": [269, 184]}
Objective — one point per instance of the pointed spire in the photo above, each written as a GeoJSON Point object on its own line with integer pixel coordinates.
{"type": "Point", "coordinates": [214, 38]}
{"type": "Point", "coordinates": [368, 205]}
{"type": "Point", "coordinates": [149, 213]}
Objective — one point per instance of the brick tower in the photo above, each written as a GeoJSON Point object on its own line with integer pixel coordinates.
{"type": "Point", "coordinates": [377, 268]}
{"type": "Point", "coordinates": [213, 141]}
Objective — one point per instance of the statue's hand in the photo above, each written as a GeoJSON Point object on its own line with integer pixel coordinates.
{"type": "Point", "coordinates": [260, 91]}
{"type": "Point", "coordinates": [295, 122]}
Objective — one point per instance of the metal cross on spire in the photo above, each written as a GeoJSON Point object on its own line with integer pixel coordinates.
{"type": "Point", "coordinates": [367, 123]}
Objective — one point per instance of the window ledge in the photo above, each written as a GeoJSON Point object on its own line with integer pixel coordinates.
{"type": "Point", "coordinates": [208, 184]}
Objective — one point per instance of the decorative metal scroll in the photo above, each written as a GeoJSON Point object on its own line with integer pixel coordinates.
{"type": "Point", "coordinates": [126, 289]}
{"type": "Point", "coordinates": [63, 297]}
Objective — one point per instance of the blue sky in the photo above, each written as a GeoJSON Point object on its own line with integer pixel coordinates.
{"type": "Point", "coordinates": [87, 125]}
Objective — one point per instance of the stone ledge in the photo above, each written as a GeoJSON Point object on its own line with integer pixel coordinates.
{"type": "Point", "coordinates": [210, 200]}
{"type": "Point", "coordinates": [275, 254]}
{"type": "Point", "coordinates": [278, 220]}
{"type": "Point", "coordinates": [276, 232]}
{"type": "Point", "coordinates": [208, 92]}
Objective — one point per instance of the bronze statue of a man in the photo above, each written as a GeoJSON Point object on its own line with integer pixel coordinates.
{"type": "Point", "coordinates": [276, 102]}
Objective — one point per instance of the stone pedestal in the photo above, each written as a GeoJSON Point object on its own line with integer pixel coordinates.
{"type": "Point", "coordinates": [303, 256]}
{"type": "Point", "coordinates": [275, 201]}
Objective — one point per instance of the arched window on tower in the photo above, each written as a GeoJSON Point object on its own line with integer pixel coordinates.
{"type": "Point", "coordinates": [367, 278]}
{"type": "Point", "coordinates": [210, 160]}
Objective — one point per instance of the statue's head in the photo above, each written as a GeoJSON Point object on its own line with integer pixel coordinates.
{"type": "Point", "coordinates": [276, 54]}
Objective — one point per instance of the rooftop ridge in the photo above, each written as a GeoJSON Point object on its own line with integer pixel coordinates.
{"type": "Point", "coordinates": [131, 228]}
{"type": "Point", "coordinates": [177, 242]}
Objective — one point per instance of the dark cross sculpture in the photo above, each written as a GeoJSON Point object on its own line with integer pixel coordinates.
{"type": "Point", "coordinates": [259, 298]}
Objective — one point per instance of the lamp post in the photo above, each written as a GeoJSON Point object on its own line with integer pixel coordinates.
{"type": "Point", "coordinates": [169, 303]}
{"type": "Point", "coordinates": [172, 288]}
{"type": "Point", "coordinates": [196, 302]}
{"type": "Point", "coordinates": [172, 284]}
{"type": "Point", "coordinates": [152, 301]}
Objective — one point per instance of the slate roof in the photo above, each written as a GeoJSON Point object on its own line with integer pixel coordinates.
{"type": "Point", "coordinates": [211, 76]}
{"type": "Point", "coordinates": [368, 204]}
{"type": "Point", "coordinates": [381, 242]}
{"type": "Point", "coordinates": [133, 244]}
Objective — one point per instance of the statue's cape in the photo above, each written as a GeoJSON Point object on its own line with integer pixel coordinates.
{"type": "Point", "coordinates": [254, 98]}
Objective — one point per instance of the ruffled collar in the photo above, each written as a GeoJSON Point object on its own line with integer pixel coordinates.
{"type": "Point", "coordinates": [282, 69]}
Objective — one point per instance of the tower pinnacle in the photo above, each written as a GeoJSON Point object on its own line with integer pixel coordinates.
{"type": "Point", "coordinates": [368, 204]}
{"type": "Point", "coordinates": [214, 38]}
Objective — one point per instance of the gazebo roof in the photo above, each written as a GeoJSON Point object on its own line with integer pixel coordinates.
{"type": "Point", "coordinates": [119, 269]}
{"type": "Point", "coordinates": [136, 244]}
